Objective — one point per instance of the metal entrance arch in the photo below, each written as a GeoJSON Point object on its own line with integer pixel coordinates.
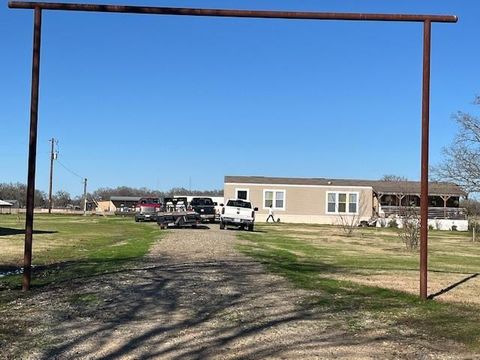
{"type": "Point", "coordinates": [427, 21]}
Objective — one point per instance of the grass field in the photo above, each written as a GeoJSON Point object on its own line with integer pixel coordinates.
{"type": "Point", "coordinates": [368, 279]}
{"type": "Point", "coordinates": [372, 274]}
{"type": "Point", "coordinates": [66, 247]}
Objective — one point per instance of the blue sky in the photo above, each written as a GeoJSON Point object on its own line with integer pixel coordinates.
{"type": "Point", "coordinates": [155, 101]}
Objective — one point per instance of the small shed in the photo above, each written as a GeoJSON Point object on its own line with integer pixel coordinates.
{"type": "Point", "coordinates": [5, 207]}
{"type": "Point", "coordinates": [15, 203]}
{"type": "Point", "coordinates": [118, 204]}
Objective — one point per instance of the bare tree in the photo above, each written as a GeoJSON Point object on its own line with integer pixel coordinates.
{"type": "Point", "coordinates": [18, 191]}
{"type": "Point", "coordinates": [393, 178]}
{"type": "Point", "coordinates": [461, 160]}
{"type": "Point", "coordinates": [61, 199]}
{"type": "Point", "coordinates": [410, 230]}
{"type": "Point", "coordinates": [471, 206]}
{"type": "Point", "coordinates": [349, 223]}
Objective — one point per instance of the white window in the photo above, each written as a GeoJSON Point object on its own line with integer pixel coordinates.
{"type": "Point", "coordinates": [352, 203]}
{"type": "Point", "coordinates": [332, 202]}
{"type": "Point", "coordinates": [342, 203]}
{"type": "Point", "coordinates": [279, 199]}
{"type": "Point", "coordinates": [274, 199]}
{"type": "Point", "coordinates": [242, 194]}
{"type": "Point", "coordinates": [268, 196]}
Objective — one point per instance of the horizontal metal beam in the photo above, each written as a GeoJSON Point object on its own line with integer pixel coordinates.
{"type": "Point", "coordinates": [264, 14]}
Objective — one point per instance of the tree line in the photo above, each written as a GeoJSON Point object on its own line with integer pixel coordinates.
{"type": "Point", "coordinates": [63, 199]}
{"type": "Point", "coordinates": [18, 192]}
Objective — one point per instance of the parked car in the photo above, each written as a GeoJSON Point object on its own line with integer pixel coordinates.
{"type": "Point", "coordinates": [205, 207]}
{"type": "Point", "coordinates": [238, 213]}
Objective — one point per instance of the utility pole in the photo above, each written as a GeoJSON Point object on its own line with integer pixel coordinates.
{"type": "Point", "coordinates": [53, 156]}
{"type": "Point", "coordinates": [85, 197]}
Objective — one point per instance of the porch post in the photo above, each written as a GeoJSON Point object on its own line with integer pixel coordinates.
{"type": "Point", "coordinates": [445, 199]}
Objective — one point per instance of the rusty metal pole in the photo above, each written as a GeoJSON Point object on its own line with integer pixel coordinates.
{"type": "Point", "coordinates": [32, 150]}
{"type": "Point", "coordinates": [427, 27]}
{"type": "Point", "coordinates": [259, 14]}
{"type": "Point", "coordinates": [426, 19]}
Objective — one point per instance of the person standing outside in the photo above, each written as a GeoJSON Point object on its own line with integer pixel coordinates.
{"type": "Point", "coordinates": [270, 214]}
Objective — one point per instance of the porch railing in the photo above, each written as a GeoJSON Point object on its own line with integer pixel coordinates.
{"type": "Point", "coordinates": [433, 212]}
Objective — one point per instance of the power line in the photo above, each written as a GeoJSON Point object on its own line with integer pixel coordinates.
{"type": "Point", "coordinates": [66, 167]}
{"type": "Point", "coordinates": [69, 170]}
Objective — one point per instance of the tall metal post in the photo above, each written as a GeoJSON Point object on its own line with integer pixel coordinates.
{"type": "Point", "coordinates": [50, 186]}
{"type": "Point", "coordinates": [427, 27]}
{"type": "Point", "coordinates": [32, 149]}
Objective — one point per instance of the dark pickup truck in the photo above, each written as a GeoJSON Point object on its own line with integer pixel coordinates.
{"type": "Point", "coordinates": [205, 207]}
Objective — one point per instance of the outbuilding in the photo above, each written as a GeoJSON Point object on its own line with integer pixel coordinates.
{"type": "Point", "coordinates": [5, 207]}
{"type": "Point", "coordinates": [118, 204]}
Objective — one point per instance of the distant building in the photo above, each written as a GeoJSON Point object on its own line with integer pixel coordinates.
{"type": "Point", "coordinates": [218, 199]}
{"type": "Point", "coordinates": [5, 207]}
{"type": "Point", "coordinates": [324, 201]}
{"type": "Point", "coordinates": [15, 203]}
{"type": "Point", "coordinates": [118, 204]}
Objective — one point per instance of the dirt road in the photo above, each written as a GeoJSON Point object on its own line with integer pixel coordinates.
{"type": "Point", "coordinates": [196, 297]}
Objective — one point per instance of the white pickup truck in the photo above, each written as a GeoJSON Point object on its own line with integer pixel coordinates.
{"type": "Point", "coordinates": [238, 213]}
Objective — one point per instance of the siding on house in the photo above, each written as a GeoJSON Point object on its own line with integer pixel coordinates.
{"type": "Point", "coordinates": [306, 199]}
{"type": "Point", "coordinates": [302, 203]}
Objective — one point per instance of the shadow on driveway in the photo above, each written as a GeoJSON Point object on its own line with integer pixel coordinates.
{"type": "Point", "coordinates": [198, 310]}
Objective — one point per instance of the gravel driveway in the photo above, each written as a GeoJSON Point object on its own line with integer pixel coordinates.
{"type": "Point", "coordinates": [196, 297]}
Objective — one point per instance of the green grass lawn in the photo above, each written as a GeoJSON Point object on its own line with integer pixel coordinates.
{"type": "Point", "coordinates": [362, 276]}
{"type": "Point", "coordinates": [67, 247]}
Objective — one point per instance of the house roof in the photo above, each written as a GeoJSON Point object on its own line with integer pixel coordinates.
{"type": "Point", "coordinates": [125, 198]}
{"type": "Point", "coordinates": [413, 187]}
{"type": "Point", "coordinates": [15, 203]}
{"type": "Point", "coordinates": [379, 186]}
{"type": "Point", "coordinates": [4, 203]}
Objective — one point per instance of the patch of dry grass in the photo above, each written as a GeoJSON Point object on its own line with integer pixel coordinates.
{"type": "Point", "coordinates": [377, 257]}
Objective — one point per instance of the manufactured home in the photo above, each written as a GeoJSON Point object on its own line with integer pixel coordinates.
{"type": "Point", "coordinates": [326, 201]}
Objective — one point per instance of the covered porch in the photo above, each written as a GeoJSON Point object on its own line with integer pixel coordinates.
{"type": "Point", "coordinates": [396, 199]}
